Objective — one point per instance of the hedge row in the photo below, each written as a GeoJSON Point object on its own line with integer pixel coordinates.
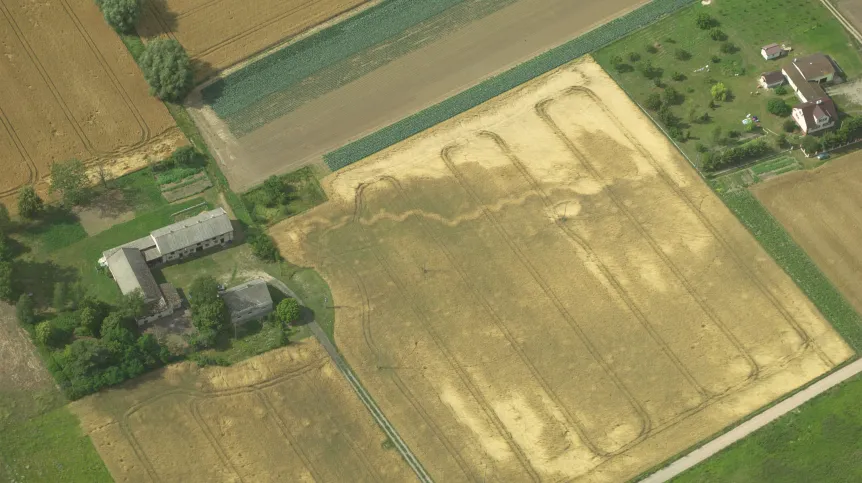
{"type": "Point", "coordinates": [589, 42]}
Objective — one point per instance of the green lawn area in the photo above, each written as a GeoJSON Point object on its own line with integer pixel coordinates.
{"type": "Point", "coordinates": [819, 442]}
{"type": "Point", "coordinates": [803, 24]}
{"type": "Point", "coordinates": [303, 192]}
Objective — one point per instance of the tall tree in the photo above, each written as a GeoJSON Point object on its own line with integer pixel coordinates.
{"type": "Point", "coordinates": [288, 311]}
{"type": "Point", "coordinates": [69, 178]}
{"type": "Point", "coordinates": [122, 15]}
{"type": "Point", "coordinates": [25, 309]}
{"type": "Point", "coordinates": [29, 203]}
{"type": "Point", "coordinates": [203, 290]}
{"type": "Point", "coordinates": [167, 69]}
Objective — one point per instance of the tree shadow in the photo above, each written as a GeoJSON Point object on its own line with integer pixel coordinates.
{"type": "Point", "coordinates": [166, 19]}
{"type": "Point", "coordinates": [50, 218]}
{"type": "Point", "coordinates": [38, 278]}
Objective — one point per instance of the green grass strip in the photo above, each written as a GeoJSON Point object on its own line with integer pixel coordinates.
{"type": "Point", "coordinates": [781, 247]}
{"type": "Point", "coordinates": [501, 83]}
{"type": "Point", "coordinates": [773, 165]}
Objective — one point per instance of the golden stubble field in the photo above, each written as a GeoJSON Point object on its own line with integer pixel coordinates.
{"type": "Point", "coordinates": [822, 211]}
{"type": "Point", "coordinates": [542, 289]}
{"type": "Point", "coordinates": [287, 415]}
{"type": "Point", "coordinates": [70, 89]}
{"type": "Point", "coordinates": [220, 33]}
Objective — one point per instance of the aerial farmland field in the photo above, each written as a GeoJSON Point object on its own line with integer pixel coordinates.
{"type": "Point", "coordinates": [287, 415]}
{"type": "Point", "coordinates": [71, 90]}
{"type": "Point", "coordinates": [541, 288]}
{"type": "Point", "coordinates": [822, 211]}
{"type": "Point", "coordinates": [219, 34]}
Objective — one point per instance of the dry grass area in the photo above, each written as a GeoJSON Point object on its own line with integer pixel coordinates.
{"type": "Point", "coordinates": [542, 289]}
{"type": "Point", "coordinates": [822, 211]}
{"type": "Point", "coordinates": [220, 33]}
{"type": "Point", "coordinates": [287, 415]}
{"type": "Point", "coordinates": [71, 90]}
{"type": "Point", "coordinates": [22, 369]}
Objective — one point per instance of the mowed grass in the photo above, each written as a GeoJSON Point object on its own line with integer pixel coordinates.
{"type": "Point", "coordinates": [819, 442]}
{"type": "Point", "coordinates": [803, 24]}
{"type": "Point", "coordinates": [303, 193]}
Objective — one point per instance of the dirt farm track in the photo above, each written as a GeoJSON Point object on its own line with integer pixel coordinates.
{"type": "Point", "coordinates": [287, 415]}
{"type": "Point", "coordinates": [542, 289]}
{"type": "Point", "coordinates": [70, 89]}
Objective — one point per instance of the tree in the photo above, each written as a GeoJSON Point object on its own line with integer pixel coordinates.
{"type": "Point", "coordinates": [678, 76]}
{"type": "Point", "coordinates": [666, 116]}
{"type": "Point", "coordinates": [29, 203]}
{"type": "Point", "coordinates": [6, 289]}
{"type": "Point", "coordinates": [728, 48]}
{"type": "Point", "coordinates": [25, 309]}
{"type": "Point", "coordinates": [653, 101]}
{"type": "Point", "coordinates": [717, 135]}
{"type": "Point", "coordinates": [778, 107]}
{"type": "Point", "coordinates": [811, 144]}
{"type": "Point", "coordinates": [203, 290]}
{"type": "Point", "coordinates": [651, 48]}
{"type": "Point", "coordinates": [671, 96]}
{"type": "Point", "coordinates": [89, 322]}
{"type": "Point", "coordinates": [704, 21]}
{"type": "Point", "coordinates": [213, 316]}
{"type": "Point", "coordinates": [60, 297]}
{"type": "Point", "coordinates": [5, 220]}
{"type": "Point", "coordinates": [5, 249]}
{"type": "Point", "coordinates": [634, 56]}
{"type": "Point", "coordinates": [719, 92]}
{"type": "Point", "coordinates": [715, 33]}
{"type": "Point", "coordinates": [288, 311]}
{"type": "Point", "coordinates": [46, 333]}
{"type": "Point", "coordinates": [122, 15]}
{"type": "Point", "coordinates": [780, 91]}
{"type": "Point", "coordinates": [115, 321]}
{"type": "Point", "coordinates": [185, 156]}
{"type": "Point", "coordinates": [781, 141]}
{"type": "Point", "coordinates": [134, 306]}
{"type": "Point", "coordinates": [167, 69]}
{"type": "Point", "coordinates": [263, 248]}
{"type": "Point", "coordinates": [69, 178]}
{"type": "Point", "coordinates": [789, 125]}
{"type": "Point", "coordinates": [682, 54]}
{"type": "Point", "coordinates": [274, 190]}
{"type": "Point", "coordinates": [104, 175]}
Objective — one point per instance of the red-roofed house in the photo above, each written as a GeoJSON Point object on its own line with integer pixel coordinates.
{"type": "Point", "coordinates": [816, 115]}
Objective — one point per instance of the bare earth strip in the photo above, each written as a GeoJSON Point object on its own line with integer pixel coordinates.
{"type": "Point", "coordinates": [542, 289]}
{"type": "Point", "coordinates": [71, 90]}
{"type": "Point", "coordinates": [287, 415]}
{"type": "Point", "coordinates": [822, 211]}
{"type": "Point", "coordinates": [417, 80]}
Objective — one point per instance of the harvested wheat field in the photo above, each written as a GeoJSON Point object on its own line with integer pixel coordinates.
{"type": "Point", "coordinates": [220, 33]}
{"type": "Point", "coordinates": [287, 415]}
{"type": "Point", "coordinates": [542, 289]}
{"type": "Point", "coordinates": [71, 90]}
{"type": "Point", "coordinates": [822, 211]}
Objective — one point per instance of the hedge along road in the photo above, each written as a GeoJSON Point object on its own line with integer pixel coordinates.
{"type": "Point", "coordinates": [419, 79]}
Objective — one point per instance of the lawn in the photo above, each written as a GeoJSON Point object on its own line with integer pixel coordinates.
{"type": "Point", "coordinates": [819, 442]}
{"type": "Point", "coordinates": [302, 192]}
{"type": "Point", "coordinates": [679, 46]}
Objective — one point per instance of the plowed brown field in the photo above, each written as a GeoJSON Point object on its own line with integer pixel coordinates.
{"type": "Point", "coordinates": [542, 289]}
{"type": "Point", "coordinates": [219, 33]}
{"type": "Point", "coordinates": [70, 89]}
{"type": "Point", "coordinates": [287, 415]}
{"type": "Point", "coordinates": [822, 211]}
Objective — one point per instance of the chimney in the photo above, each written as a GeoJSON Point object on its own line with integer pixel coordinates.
{"type": "Point", "coordinates": [819, 101]}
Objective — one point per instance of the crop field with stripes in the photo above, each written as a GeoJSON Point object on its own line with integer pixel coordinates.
{"type": "Point", "coordinates": [542, 288]}
{"type": "Point", "coordinates": [71, 90]}
{"type": "Point", "coordinates": [287, 415]}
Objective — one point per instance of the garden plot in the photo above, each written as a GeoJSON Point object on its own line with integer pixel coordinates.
{"type": "Point", "coordinates": [543, 289]}
{"type": "Point", "coordinates": [71, 90]}
{"type": "Point", "coordinates": [287, 415]}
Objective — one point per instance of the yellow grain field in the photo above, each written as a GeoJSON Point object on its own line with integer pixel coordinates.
{"type": "Point", "coordinates": [542, 289]}
{"type": "Point", "coordinates": [287, 415]}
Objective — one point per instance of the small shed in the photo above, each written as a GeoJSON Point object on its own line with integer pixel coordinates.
{"type": "Point", "coordinates": [771, 51]}
{"type": "Point", "coordinates": [771, 79]}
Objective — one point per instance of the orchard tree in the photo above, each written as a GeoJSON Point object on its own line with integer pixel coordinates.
{"type": "Point", "coordinates": [25, 309]}
{"type": "Point", "coordinates": [69, 179]}
{"type": "Point", "coordinates": [719, 91]}
{"type": "Point", "coordinates": [122, 15]}
{"type": "Point", "coordinates": [167, 69]}
{"type": "Point", "coordinates": [288, 311]}
{"type": "Point", "coordinates": [704, 21]}
{"type": "Point", "coordinates": [29, 203]}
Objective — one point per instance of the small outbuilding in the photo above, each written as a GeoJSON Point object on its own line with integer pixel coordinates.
{"type": "Point", "coordinates": [248, 301]}
{"type": "Point", "coordinates": [771, 51]}
{"type": "Point", "coordinates": [771, 79]}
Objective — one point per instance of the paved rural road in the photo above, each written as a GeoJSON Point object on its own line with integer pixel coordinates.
{"type": "Point", "coordinates": [422, 78]}
{"type": "Point", "coordinates": [369, 403]}
{"type": "Point", "coordinates": [699, 455]}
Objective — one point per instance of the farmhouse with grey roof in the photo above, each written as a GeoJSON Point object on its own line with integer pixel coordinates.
{"type": "Point", "coordinates": [130, 264]}
{"type": "Point", "coordinates": [248, 301]}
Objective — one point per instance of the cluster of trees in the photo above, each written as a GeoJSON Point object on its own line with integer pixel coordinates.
{"type": "Point", "coordinates": [713, 161]}
{"type": "Point", "coordinates": [122, 15]}
{"type": "Point", "coordinates": [263, 247]}
{"type": "Point", "coordinates": [850, 130]}
{"type": "Point", "coordinates": [182, 157]}
{"type": "Point", "coordinates": [705, 21]}
{"type": "Point", "coordinates": [209, 312]}
{"type": "Point", "coordinates": [94, 345]}
{"type": "Point", "coordinates": [167, 69]}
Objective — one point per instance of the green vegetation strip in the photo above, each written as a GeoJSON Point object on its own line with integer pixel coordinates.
{"type": "Point", "coordinates": [821, 441]}
{"type": "Point", "coordinates": [781, 247]}
{"type": "Point", "coordinates": [495, 86]}
{"type": "Point", "coordinates": [774, 165]}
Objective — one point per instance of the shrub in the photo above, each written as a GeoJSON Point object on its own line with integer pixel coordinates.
{"type": "Point", "coordinates": [678, 76]}
{"type": "Point", "coordinates": [811, 144]}
{"type": "Point", "coordinates": [728, 48]}
{"type": "Point", "coordinates": [733, 134]}
{"type": "Point", "coordinates": [653, 101]}
{"type": "Point", "coordinates": [735, 155]}
{"type": "Point", "coordinates": [700, 147]}
{"type": "Point", "coordinates": [715, 59]}
{"type": "Point", "coordinates": [678, 134]}
{"type": "Point", "coordinates": [651, 48]}
{"type": "Point", "coordinates": [634, 56]}
{"type": "Point", "coordinates": [288, 311]}
{"type": "Point", "coordinates": [789, 125]}
{"type": "Point", "coordinates": [780, 91]}
{"type": "Point", "coordinates": [25, 310]}
{"type": "Point", "coordinates": [672, 96]}
{"type": "Point", "coordinates": [263, 248]}
{"type": "Point", "coordinates": [46, 333]}
{"type": "Point", "coordinates": [274, 190]}
{"type": "Point", "coordinates": [778, 107]}
{"type": "Point", "coordinates": [704, 21]}
{"type": "Point", "coordinates": [648, 70]}
{"type": "Point", "coordinates": [666, 117]}
{"type": "Point", "coordinates": [781, 141]}
{"type": "Point", "coordinates": [682, 54]}
{"type": "Point", "coordinates": [719, 92]}
{"type": "Point", "coordinates": [716, 33]}
{"type": "Point", "coordinates": [122, 15]}
{"type": "Point", "coordinates": [167, 69]}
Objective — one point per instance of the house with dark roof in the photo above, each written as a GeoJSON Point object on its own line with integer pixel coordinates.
{"type": "Point", "coordinates": [771, 51]}
{"type": "Point", "coordinates": [248, 301]}
{"type": "Point", "coordinates": [771, 79]}
{"type": "Point", "coordinates": [816, 115]}
{"type": "Point", "coordinates": [815, 68]}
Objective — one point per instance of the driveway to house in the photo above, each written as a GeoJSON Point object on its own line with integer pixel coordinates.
{"type": "Point", "coordinates": [369, 403]}
{"type": "Point", "coordinates": [707, 450]}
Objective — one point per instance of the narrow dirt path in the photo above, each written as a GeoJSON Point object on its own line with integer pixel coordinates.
{"type": "Point", "coordinates": [707, 450]}
{"type": "Point", "coordinates": [366, 399]}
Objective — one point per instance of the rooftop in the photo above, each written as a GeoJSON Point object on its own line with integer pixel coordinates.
{"type": "Point", "coordinates": [772, 49]}
{"type": "Point", "coordinates": [189, 232]}
{"type": "Point", "coordinates": [772, 77]}
{"type": "Point", "coordinates": [814, 66]}
{"type": "Point", "coordinates": [253, 293]}
{"type": "Point", "coordinates": [817, 108]}
{"type": "Point", "coordinates": [131, 272]}
{"type": "Point", "coordinates": [810, 90]}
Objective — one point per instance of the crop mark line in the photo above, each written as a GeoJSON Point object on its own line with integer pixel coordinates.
{"type": "Point", "coordinates": [806, 338]}
{"type": "Point", "coordinates": [22, 150]}
{"type": "Point", "coordinates": [214, 442]}
{"type": "Point", "coordinates": [462, 374]}
{"type": "Point", "coordinates": [641, 317]}
{"type": "Point", "coordinates": [287, 434]}
{"type": "Point", "coordinates": [646, 422]}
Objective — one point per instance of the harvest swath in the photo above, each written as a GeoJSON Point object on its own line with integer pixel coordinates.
{"type": "Point", "coordinates": [543, 289]}
{"type": "Point", "coordinates": [71, 90]}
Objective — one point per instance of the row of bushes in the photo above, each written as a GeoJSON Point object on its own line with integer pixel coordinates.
{"type": "Point", "coordinates": [713, 161]}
